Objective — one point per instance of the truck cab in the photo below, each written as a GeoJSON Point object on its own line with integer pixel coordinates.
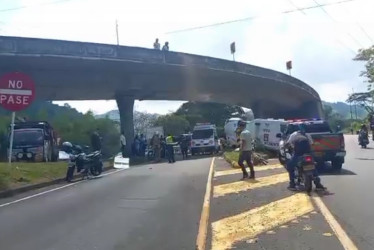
{"type": "Point", "coordinates": [204, 139]}
{"type": "Point", "coordinates": [327, 146]}
{"type": "Point", "coordinates": [34, 141]}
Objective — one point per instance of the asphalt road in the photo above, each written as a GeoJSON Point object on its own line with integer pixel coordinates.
{"type": "Point", "coordinates": [353, 200]}
{"type": "Point", "coordinates": [159, 207]}
{"type": "Point", "coordinates": [149, 207]}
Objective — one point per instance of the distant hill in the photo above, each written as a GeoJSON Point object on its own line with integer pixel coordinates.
{"type": "Point", "coordinates": [344, 109]}
{"type": "Point", "coordinates": [113, 115]}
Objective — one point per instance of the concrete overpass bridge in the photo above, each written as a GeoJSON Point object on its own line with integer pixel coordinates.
{"type": "Point", "coordinates": [64, 70]}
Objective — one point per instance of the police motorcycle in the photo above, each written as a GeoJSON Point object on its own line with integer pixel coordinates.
{"type": "Point", "coordinates": [87, 164]}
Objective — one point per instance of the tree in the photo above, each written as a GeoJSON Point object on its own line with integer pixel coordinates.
{"type": "Point", "coordinates": [216, 113]}
{"type": "Point", "coordinates": [333, 118]}
{"type": "Point", "coordinates": [143, 120]}
{"type": "Point", "coordinates": [367, 55]}
{"type": "Point", "coordinates": [364, 99]}
{"type": "Point", "coordinates": [173, 124]}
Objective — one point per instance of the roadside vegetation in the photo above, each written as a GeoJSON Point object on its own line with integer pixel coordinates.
{"type": "Point", "coordinates": [20, 174]}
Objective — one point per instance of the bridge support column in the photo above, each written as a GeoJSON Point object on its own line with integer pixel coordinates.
{"type": "Point", "coordinates": [126, 111]}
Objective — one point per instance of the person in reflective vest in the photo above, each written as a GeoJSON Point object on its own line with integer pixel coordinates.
{"type": "Point", "coordinates": [170, 148]}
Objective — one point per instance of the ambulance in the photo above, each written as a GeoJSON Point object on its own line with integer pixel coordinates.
{"type": "Point", "coordinates": [204, 139]}
{"type": "Point", "coordinates": [230, 131]}
{"type": "Point", "coordinates": [264, 132]}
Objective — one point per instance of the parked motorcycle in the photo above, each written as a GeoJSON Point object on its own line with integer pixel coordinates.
{"type": "Point", "coordinates": [87, 164]}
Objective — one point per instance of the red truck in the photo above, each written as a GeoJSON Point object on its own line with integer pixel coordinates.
{"type": "Point", "coordinates": [327, 146]}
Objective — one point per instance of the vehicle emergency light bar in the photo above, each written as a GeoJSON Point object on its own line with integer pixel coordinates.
{"type": "Point", "coordinates": [303, 120]}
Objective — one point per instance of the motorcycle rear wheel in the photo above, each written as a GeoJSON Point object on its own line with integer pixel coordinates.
{"type": "Point", "coordinates": [308, 183]}
{"type": "Point", "coordinates": [96, 170]}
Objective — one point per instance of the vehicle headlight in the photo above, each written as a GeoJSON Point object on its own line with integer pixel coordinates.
{"type": "Point", "coordinates": [29, 155]}
{"type": "Point", "coordinates": [19, 155]}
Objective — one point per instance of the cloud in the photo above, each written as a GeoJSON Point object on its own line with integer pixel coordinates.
{"type": "Point", "coordinates": [320, 45]}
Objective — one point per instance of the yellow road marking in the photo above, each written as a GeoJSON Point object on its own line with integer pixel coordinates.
{"type": "Point", "coordinates": [344, 239]}
{"type": "Point", "coordinates": [238, 171]}
{"type": "Point", "coordinates": [249, 224]}
{"type": "Point", "coordinates": [245, 185]}
{"type": "Point", "coordinates": [204, 219]}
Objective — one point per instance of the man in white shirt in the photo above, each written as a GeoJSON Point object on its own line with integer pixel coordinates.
{"type": "Point", "coordinates": [246, 148]}
{"type": "Point", "coordinates": [123, 144]}
{"type": "Point", "coordinates": [156, 44]}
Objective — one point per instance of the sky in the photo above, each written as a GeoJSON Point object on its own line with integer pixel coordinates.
{"type": "Point", "coordinates": [321, 42]}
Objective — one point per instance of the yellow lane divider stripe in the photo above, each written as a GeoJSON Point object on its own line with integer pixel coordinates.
{"type": "Point", "coordinates": [344, 239]}
{"type": "Point", "coordinates": [238, 171]}
{"type": "Point", "coordinates": [245, 185]}
{"type": "Point", "coordinates": [249, 224]}
{"type": "Point", "coordinates": [204, 218]}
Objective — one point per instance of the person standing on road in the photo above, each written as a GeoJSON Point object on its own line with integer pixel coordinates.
{"type": "Point", "coordinates": [123, 144]}
{"type": "Point", "coordinates": [245, 149]}
{"type": "Point", "coordinates": [156, 44]}
{"type": "Point", "coordinates": [96, 140]}
{"type": "Point", "coordinates": [156, 145]}
{"type": "Point", "coordinates": [184, 146]}
{"type": "Point", "coordinates": [170, 148]}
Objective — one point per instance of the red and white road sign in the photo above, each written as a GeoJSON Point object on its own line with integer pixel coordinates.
{"type": "Point", "coordinates": [17, 91]}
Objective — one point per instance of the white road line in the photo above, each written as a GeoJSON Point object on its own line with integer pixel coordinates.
{"type": "Point", "coordinates": [15, 92]}
{"type": "Point", "coordinates": [343, 237]}
{"type": "Point", "coordinates": [51, 190]}
{"type": "Point", "coordinates": [204, 219]}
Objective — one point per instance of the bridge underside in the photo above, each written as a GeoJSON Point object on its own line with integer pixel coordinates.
{"type": "Point", "coordinates": [80, 79]}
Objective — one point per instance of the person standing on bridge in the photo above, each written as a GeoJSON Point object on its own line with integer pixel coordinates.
{"type": "Point", "coordinates": [246, 148]}
{"type": "Point", "coordinates": [165, 47]}
{"type": "Point", "coordinates": [156, 44]}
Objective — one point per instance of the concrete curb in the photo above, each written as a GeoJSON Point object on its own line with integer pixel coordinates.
{"type": "Point", "coordinates": [11, 192]}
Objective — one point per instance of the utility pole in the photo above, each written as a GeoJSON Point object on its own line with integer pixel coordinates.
{"type": "Point", "coordinates": [355, 104]}
{"type": "Point", "coordinates": [117, 32]}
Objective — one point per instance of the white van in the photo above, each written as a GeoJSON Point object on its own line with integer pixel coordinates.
{"type": "Point", "coordinates": [265, 131]}
{"type": "Point", "coordinates": [230, 131]}
{"type": "Point", "coordinates": [204, 139]}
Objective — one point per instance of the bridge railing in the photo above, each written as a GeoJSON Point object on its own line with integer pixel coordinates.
{"type": "Point", "coordinates": [17, 45]}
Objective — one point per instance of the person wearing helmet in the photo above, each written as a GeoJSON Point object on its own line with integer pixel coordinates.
{"type": "Point", "coordinates": [301, 143]}
{"type": "Point", "coordinates": [363, 134]}
{"type": "Point", "coordinates": [246, 148]}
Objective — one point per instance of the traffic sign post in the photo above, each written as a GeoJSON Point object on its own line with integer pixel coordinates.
{"type": "Point", "coordinates": [17, 91]}
{"type": "Point", "coordinates": [233, 50]}
{"type": "Point", "coordinates": [289, 66]}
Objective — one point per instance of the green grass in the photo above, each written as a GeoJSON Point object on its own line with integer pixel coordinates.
{"type": "Point", "coordinates": [232, 156]}
{"type": "Point", "coordinates": [19, 174]}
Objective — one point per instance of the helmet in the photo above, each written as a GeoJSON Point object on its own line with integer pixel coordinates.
{"type": "Point", "coordinates": [302, 127]}
{"type": "Point", "coordinates": [67, 147]}
{"type": "Point", "coordinates": [78, 149]}
{"type": "Point", "coordinates": [241, 123]}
